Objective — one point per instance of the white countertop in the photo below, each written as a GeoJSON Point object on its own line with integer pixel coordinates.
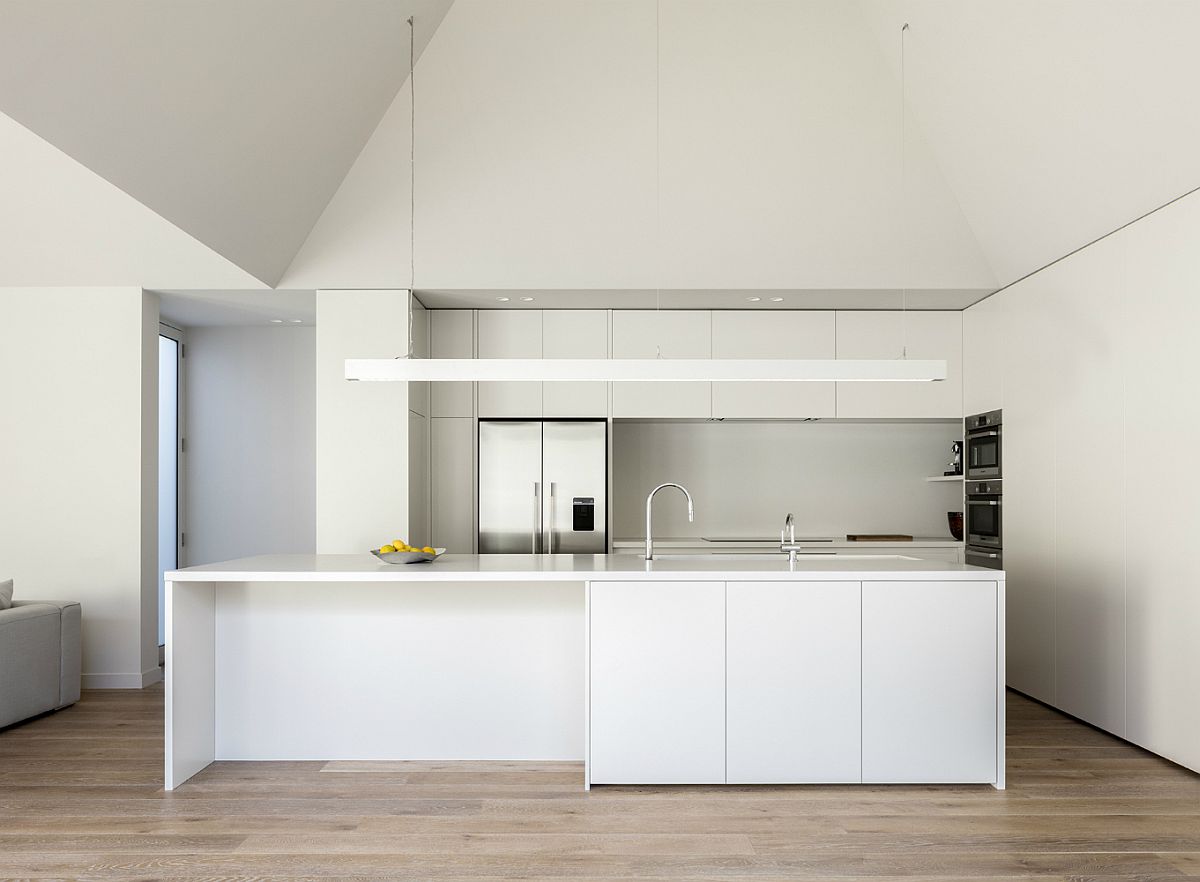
{"type": "Point", "coordinates": [572, 568]}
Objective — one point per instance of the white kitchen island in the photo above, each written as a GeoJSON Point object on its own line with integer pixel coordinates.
{"type": "Point", "coordinates": [834, 670]}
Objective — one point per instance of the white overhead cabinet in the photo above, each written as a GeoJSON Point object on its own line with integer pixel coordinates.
{"type": "Point", "coordinates": [677, 334]}
{"type": "Point", "coordinates": [882, 334]}
{"type": "Point", "coordinates": [983, 356]}
{"type": "Point", "coordinates": [773, 334]}
{"type": "Point", "coordinates": [452, 335]}
{"type": "Point", "coordinates": [930, 687]}
{"type": "Point", "coordinates": [575, 333]}
{"type": "Point", "coordinates": [510, 333]}
{"type": "Point", "coordinates": [657, 682]}
{"type": "Point", "coordinates": [793, 679]}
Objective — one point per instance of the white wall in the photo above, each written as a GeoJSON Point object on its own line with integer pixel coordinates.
{"type": "Point", "coordinates": [744, 477]}
{"type": "Point", "coordinates": [79, 466]}
{"type": "Point", "coordinates": [251, 433]}
{"type": "Point", "coordinates": [1099, 370]}
{"type": "Point", "coordinates": [362, 428]}
{"type": "Point", "coordinates": [535, 156]}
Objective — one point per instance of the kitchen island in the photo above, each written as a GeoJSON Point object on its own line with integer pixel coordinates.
{"type": "Point", "coordinates": [836, 669]}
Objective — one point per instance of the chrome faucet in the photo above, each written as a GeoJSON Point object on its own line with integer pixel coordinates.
{"type": "Point", "coordinates": [787, 538]}
{"type": "Point", "coordinates": [650, 515]}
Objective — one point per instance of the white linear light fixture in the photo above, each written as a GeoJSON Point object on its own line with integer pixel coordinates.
{"type": "Point", "coordinates": [408, 368]}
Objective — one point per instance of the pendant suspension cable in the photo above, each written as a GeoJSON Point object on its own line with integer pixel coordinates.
{"type": "Point", "coordinates": [904, 255]}
{"type": "Point", "coordinates": [657, 177]}
{"type": "Point", "coordinates": [412, 177]}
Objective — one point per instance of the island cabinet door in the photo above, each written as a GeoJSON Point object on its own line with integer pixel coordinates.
{"type": "Point", "coordinates": [657, 683]}
{"type": "Point", "coordinates": [929, 683]}
{"type": "Point", "coordinates": [793, 714]}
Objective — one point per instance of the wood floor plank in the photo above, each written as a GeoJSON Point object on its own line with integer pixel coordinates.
{"type": "Point", "coordinates": [81, 798]}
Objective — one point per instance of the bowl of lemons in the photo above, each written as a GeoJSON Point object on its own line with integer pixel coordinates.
{"type": "Point", "coordinates": [398, 552]}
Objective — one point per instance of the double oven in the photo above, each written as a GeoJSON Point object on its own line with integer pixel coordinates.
{"type": "Point", "coordinates": [984, 490]}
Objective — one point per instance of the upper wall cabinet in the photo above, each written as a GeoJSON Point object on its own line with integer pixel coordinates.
{"type": "Point", "coordinates": [884, 334]}
{"type": "Point", "coordinates": [451, 335]}
{"type": "Point", "coordinates": [510, 333]}
{"type": "Point", "coordinates": [983, 350]}
{"type": "Point", "coordinates": [678, 334]}
{"type": "Point", "coordinates": [575, 333]}
{"type": "Point", "coordinates": [772, 334]}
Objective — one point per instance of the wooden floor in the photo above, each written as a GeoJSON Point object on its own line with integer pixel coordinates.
{"type": "Point", "coordinates": [81, 798]}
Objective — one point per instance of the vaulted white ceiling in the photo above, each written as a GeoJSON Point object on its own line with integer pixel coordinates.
{"type": "Point", "coordinates": [235, 120]}
{"type": "Point", "coordinates": [275, 132]}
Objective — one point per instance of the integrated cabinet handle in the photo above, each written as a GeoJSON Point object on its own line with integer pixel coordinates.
{"type": "Point", "coordinates": [537, 515]}
{"type": "Point", "coordinates": [553, 512]}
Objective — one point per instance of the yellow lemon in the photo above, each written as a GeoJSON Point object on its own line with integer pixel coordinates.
{"type": "Point", "coordinates": [385, 549]}
{"type": "Point", "coordinates": [428, 550]}
{"type": "Point", "coordinates": [400, 544]}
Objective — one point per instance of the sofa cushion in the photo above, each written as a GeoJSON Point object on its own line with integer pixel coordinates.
{"type": "Point", "coordinates": [6, 594]}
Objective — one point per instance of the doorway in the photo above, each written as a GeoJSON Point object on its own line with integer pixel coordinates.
{"type": "Point", "coordinates": [171, 449]}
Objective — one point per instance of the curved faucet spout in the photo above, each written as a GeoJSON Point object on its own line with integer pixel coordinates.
{"type": "Point", "coordinates": [650, 514]}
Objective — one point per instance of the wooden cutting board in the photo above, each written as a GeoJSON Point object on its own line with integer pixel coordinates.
{"type": "Point", "coordinates": [878, 537]}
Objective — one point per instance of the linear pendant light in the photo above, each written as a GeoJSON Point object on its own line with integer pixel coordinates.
{"type": "Point", "coordinates": [627, 370]}
{"type": "Point", "coordinates": [647, 370]}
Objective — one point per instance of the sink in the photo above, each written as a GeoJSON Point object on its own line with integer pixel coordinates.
{"type": "Point", "coordinates": [782, 558]}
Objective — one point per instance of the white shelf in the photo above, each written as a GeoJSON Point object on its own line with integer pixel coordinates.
{"type": "Point", "coordinates": [940, 478]}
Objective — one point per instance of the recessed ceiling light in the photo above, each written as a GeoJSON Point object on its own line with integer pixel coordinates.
{"type": "Point", "coordinates": [777, 300]}
{"type": "Point", "coordinates": [297, 321]}
{"type": "Point", "coordinates": [502, 299]}
{"type": "Point", "coordinates": [527, 299]}
{"type": "Point", "coordinates": [754, 299]}
{"type": "Point", "coordinates": [277, 321]}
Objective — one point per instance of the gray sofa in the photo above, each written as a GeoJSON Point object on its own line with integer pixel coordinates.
{"type": "Point", "coordinates": [39, 657]}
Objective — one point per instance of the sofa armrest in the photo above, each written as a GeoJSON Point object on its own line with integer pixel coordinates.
{"type": "Point", "coordinates": [71, 651]}
{"type": "Point", "coordinates": [30, 660]}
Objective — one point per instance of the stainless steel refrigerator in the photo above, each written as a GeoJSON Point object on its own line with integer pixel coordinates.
{"type": "Point", "coordinates": [543, 487]}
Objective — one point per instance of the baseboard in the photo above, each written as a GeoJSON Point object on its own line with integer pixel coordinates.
{"type": "Point", "coordinates": [122, 681]}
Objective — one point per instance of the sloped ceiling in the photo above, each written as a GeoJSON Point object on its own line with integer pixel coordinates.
{"type": "Point", "coordinates": [233, 119]}
{"type": "Point", "coordinates": [1053, 121]}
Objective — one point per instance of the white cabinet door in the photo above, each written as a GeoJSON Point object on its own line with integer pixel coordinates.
{"type": "Point", "coordinates": [510, 333]}
{"type": "Point", "coordinates": [773, 334]}
{"type": "Point", "coordinates": [575, 333]}
{"type": "Point", "coordinates": [1029, 439]}
{"type": "Point", "coordinates": [929, 682]}
{"type": "Point", "coordinates": [656, 672]}
{"type": "Point", "coordinates": [983, 349]}
{"type": "Point", "coordinates": [452, 335]}
{"type": "Point", "coordinates": [679, 334]}
{"type": "Point", "coordinates": [1162, 422]}
{"type": "Point", "coordinates": [452, 494]}
{"type": "Point", "coordinates": [882, 334]}
{"type": "Point", "coordinates": [1089, 454]}
{"type": "Point", "coordinates": [793, 681]}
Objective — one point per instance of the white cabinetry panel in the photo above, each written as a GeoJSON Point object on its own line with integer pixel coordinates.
{"type": "Point", "coordinates": [452, 506]}
{"type": "Point", "coordinates": [452, 335]}
{"type": "Point", "coordinates": [575, 333]}
{"type": "Point", "coordinates": [793, 675]}
{"type": "Point", "coordinates": [1030, 356]}
{"type": "Point", "coordinates": [882, 334]}
{"type": "Point", "coordinates": [773, 334]}
{"type": "Point", "coordinates": [928, 691]}
{"type": "Point", "coordinates": [510, 333]}
{"type": "Point", "coordinates": [679, 334]}
{"type": "Point", "coordinates": [1089, 519]}
{"type": "Point", "coordinates": [1162, 411]}
{"type": "Point", "coordinates": [657, 682]}
{"type": "Point", "coordinates": [983, 348]}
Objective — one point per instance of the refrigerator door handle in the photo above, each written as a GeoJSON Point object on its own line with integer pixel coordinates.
{"type": "Point", "coordinates": [537, 516]}
{"type": "Point", "coordinates": [550, 524]}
